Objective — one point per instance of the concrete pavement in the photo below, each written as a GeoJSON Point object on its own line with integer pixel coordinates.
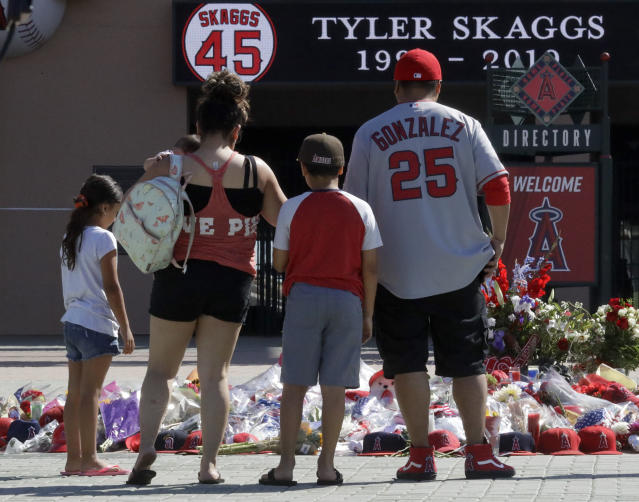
{"type": "Point", "coordinates": [35, 476]}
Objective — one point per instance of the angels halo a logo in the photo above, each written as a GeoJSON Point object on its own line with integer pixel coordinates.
{"type": "Point", "coordinates": [237, 36]}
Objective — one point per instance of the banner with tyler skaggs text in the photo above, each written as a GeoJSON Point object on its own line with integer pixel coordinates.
{"type": "Point", "coordinates": [554, 205]}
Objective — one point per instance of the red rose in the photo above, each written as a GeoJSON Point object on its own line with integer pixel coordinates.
{"type": "Point", "coordinates": [623, 323]}
{"type": "Point", "coordinates": [563, 344]}
{"type": "Point", "coordinates": [611, 317]}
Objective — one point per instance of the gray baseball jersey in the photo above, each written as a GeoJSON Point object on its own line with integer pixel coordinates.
{"type": "Point", "coordinates": [420, 166]}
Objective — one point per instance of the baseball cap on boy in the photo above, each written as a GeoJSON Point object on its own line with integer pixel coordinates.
{"type": "Point", "coordinates": [170, 441]}
{"type": "Point", "coordinates": [23, 430]}
{"type": "Point", "coordinates": [418, 64]}
{"type": "Point", "coordinates": [321, 150]}
{"type": "Point", "coordinates": [55, 413]}
{"type": "Point", "coordinates": [598, 440]}
{"type": "Point", "coordinates": [559, 441]}
{"type": "Point", "coordinates": [382, 443]}
{"type": "Point", "coordinates": [443, 440]}
{"type": "Point", "coordinates": [516, 443]}
{"type": "Point", "coordinates": [58, 440]}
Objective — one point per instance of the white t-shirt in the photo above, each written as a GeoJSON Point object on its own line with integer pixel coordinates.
{"type": "Point", "coordinates": [420, 166]}
{"type": "Point", "coordinates": [82, 289]}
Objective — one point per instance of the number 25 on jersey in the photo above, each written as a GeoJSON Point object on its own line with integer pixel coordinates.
{"type": "Point", "coordinates": [441, 179]}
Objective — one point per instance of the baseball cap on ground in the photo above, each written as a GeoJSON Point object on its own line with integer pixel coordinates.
{"type": "Point", "coordinates": [598, 440]}
{"type": "Point", "coordinates": [321, 150]}
{"type": "Point", "coordinates": [23, 430]}
{"type": "Point", "coordinates": [443, 440]}
{"type": "Point", "coordinates": [382, 443]}
{"type": "Point", "coordinates": [418, 64]}
{"type": "Point", "coordinates": [192, 441]}
{"type": "Point", "coordinates": [170, 441]}
{"type": "Point", "coordinates": [133, 442]}
{"type": "Point", "coordinates": [59, 440]}
{"type": "Point", "coordinates": [516, 443]}
{"type": "Point", "coordinates": [5, 422]}
{"type": "Point", "coordinates": [559, 441]}
{"type": "Point", "coordinates": [55, 413]}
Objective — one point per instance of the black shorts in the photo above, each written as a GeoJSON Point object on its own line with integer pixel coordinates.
{"type": "Point", "coordinates": [207, 288]}
{"type": "Point", "coordinates": [456, 321]}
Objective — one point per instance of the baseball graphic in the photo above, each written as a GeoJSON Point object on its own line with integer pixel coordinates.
{"type": "Point", "coordinates": [46, 16]}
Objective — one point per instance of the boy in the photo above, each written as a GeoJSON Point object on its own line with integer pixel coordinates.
{"type": "Point", "coordinates": [326, 240]}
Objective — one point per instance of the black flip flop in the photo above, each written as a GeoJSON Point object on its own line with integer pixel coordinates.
{"type": "Point", "coordinates": [339, 479]}
{"type": "Point", "coordinates": [271, 480]}
{"type": "Point", "coordinates": [140, 478]}
{"type": "Point", "coordinates": [209, 481]}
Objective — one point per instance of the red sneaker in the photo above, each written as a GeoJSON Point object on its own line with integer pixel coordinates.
{"type": "Point", "coordinates": [420, 465]}
{"type": "Point", "coordinates": [481, 463]}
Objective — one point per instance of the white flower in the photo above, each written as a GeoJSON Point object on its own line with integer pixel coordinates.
{"type": "Point", "coordinates": [632, 321]}
{"type": "Point", "coordinates": [505, 393]}
{"type": "Point", "coordinates": [491, 322]}
{"type": "Point", "coordinates": [621, 428]}
{"type": "Point", "coordinates": [579, 305]}
{"type": "Point", "coordinates": [635, 332]}
{"type": "Point", "coordinates": [622, 312]}
{"type": "Point", "coordinates": [511, 317]}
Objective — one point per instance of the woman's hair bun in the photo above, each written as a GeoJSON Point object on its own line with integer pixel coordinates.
{"type": "Point", "coordinates": [225, 86]}
{"type": "Point", "coordinates": [223, 103]}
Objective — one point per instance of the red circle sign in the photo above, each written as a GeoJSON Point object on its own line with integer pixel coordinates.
{"type": "Point", "coordinates": [237, 36]}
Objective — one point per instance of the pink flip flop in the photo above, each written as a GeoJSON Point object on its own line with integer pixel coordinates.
{"type": "Point", "coordinates": [109, 470]}
{"type": "Point", "coordinates": [70, 473]}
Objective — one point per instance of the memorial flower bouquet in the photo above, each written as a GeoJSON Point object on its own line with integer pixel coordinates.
{"type": "Point", "coordinates": [527, 329]}
{"type": "Point", "coordinates": [613, 338]}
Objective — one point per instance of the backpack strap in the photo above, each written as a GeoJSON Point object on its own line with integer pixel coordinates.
{"type": "Point", "coordinates": [175, 171]}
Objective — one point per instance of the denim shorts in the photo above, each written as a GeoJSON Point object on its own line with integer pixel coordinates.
{"type": "Point", "coordinates": [83, 343]}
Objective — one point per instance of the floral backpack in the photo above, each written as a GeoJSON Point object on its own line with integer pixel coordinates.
{"type": "Point", "coordinates": [151, 218]}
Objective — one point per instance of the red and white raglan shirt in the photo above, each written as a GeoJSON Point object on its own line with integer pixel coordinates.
{"type": "Point", "coordinates": [324, 232]}
{"type": "Point", "coordinates": [420, 167]}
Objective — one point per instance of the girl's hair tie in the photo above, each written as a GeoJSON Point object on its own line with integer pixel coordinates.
{"type": "Point", "coordinates": [81, 201]}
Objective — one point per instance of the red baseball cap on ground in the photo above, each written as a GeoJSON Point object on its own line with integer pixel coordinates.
{"type": "Point", "coordinates": [418, 64]}
{"type": "Point", "coordinates": [598, 440]}
{"type": "Point", "coordinates": [5, 423]}
{"type": "Point", "coordinates": [559, 441]}
{"type": "Point", "coordinates": [133, 442]}
{"type": "Point", "coordinates": [58, 440]}
{"type": "Point", "coordinates": [55, 413]}
{"type": "Point", "coordinates": [244, 437]}
{"type": "Point", "coordinates": [443, 440]}
{"type": "Point", "coordinates": [193, 440]}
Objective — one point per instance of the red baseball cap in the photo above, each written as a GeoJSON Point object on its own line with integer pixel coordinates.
{"type": "Point", "coordinates": [598, 440]}
{"type": "Point", "coordinates": [5, 423]}
{"type": "Point", "coordinates": [443, 440]}
{"type": "Point", "coordinates": [193, 440]}
{"type": "Point", "coordinates": [559, 441]}
{"type": "Point", "coordinates": [59, 440]}
{"type": "Point", "coordinates": [133, 442]}
{"type": "Point", "coordinates": [418, 64]}
{"type": "Point", "coordinates": [54, 413]}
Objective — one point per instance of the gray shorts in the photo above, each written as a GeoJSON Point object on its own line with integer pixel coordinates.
{"type": "Point", "coordinates": [322, 336]}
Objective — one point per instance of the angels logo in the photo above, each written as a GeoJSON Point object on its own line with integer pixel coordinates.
{"type": "Point", "coordinates": [565, 442]}
{"type": "Point", "coordinates": [237, 36]}
{"type": "Point", "coordinates": [516, 446]}
{"type": "Point", "coordinates": [378, 444]}
{"type": "Point", "coordinates": [546, 235]}
{"type": "Point", "coordinates": [444, 440]}
{"type": "Point", "coordinates": [603, 441]}
{"type": "Point", "coordinates": [168, 443]}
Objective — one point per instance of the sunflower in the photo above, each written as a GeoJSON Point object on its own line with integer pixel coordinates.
{"type": "Point", "coordinates": [507, 392]}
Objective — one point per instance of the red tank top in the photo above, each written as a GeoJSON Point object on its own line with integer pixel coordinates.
{"type": "Point", "coordinates": [222, 234]}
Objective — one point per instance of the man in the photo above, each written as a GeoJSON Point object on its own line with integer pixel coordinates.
{"type": "Point", "coordinates": [420, 166]}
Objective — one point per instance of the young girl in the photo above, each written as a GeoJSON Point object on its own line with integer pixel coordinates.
{"type": "Point", "coordinates": [94, 314]}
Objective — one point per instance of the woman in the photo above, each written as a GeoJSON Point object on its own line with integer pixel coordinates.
{"type": "Point", "coordinates": [229, 193]}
